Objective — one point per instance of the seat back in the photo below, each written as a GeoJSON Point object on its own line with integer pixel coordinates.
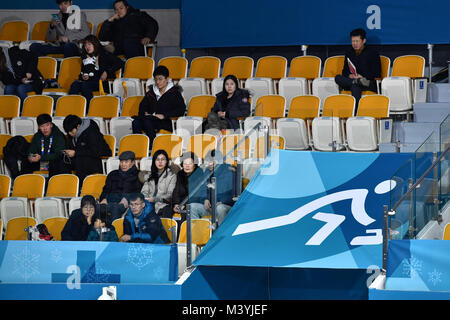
{"type": "Point", "coordinates": [376, 106]}
{"type": "Point", "coordinates": [111, 141]}
{"type": "Point", "coordinates": [294, 132]}
{"type": "Point", "coordinates": [272, 106]}
{"type": "Point", "coordinates": [206, 67]}
{"type": "Point", "coordinates": [229, 142]}
{"type": "Point", "coordinates": [39, 31]}
{"type": "Point", "coordinates": [177, 66]}
{"type": "Point", "coordinates": [71, 104]}
{"type": "Point", "coordinates": [325, 130]}
{"type": "Point", "coordinates": [118, 225]}
{"type": "Point", "coordinates": [30, 186]}
{"type": "Point", "coordinates": [9, 106]}
{"type": "Point", "coordinates": [201, 144]}
{"type": "Point", "coordinates": [16, 31]}
{"type": "Point", "coordinates": [130, 106]}
{"type": "Point", "coordinates": [200, 106]}
{"type": "Point", "coordinates": [304, 107]}
{"type": "Point", "coordinates": [5, 184]}
{"type": "Point", "coordinates": [15, 229]}
{"type": "Point", "coordinates": [63, 185]}
{"type": "Point", "coordinates": [47, 67]}
{"type": "Point", "coordinates": [171, 143]}
{"type": "Point", "coordinates": [275, 141]}
{"type": "Point", "coordinates": [3, 140]}
{"type": "Point", "coordinates": [69, 71]}
{"type": "Point", "coordinates": [55, 226]}
{"type": "Point", "coordinates": [93, 185]}
{"type": "Point", "coordinates": [105, 107]}
{"type": "Point", "coordinates": [168, 224]}
{"type": "Point", "coordinates": [239, 66]}
{"type": "Point", "coordinates": [412, 66]}
{"type": "Point", "coordinates": [333, 66]}
{"type": "Point", "coordinates": [192, 87]}
{"type": "Point", "coordinates": [139, 67]}
{"type": "Point", "coordinates": [340, 105]}
{"type": "Point", "coordinates": [385, 66]}
{"type": "Point", "coordinates": [36, 105]}
{"type": "Point", "coordinates": [273, 67]}
{"type": "Point", "coordinates": [200, 231]}
{"type": "Point", "coordinates": [305, 67]}
{"type": "Point", "coordinates": [47, 208]}
{"type": "Point", "coordinates": [138, 143]}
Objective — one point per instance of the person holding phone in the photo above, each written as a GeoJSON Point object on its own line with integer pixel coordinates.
{"type": "Point", "coordinates": [64, 38]}
{"type": "Point", "coordinates": [102, 229]}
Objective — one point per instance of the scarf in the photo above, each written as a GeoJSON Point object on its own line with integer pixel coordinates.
{"type": "Point", "coordinates": [84, 125]}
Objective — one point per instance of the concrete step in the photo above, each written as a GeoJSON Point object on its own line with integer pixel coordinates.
{"type": "Point", "coordinates": [431, 112]}
{"type": "Point", "coordinates": [415, 132]}
{"type": "Point", "coordinates": [438, 92]}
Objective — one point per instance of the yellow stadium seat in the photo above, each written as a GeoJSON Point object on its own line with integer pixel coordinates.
{"type": "Point", "coordinates": [340, 105]}
{"type": "Point", "coordinates": [206, 67]}
{"type": "Point", "coordinates": [201, 144]}
{"type": "Point", "coordinates": [305, 67]}
{"type": "Point", "coordinates": [105, 107]}
{"type": "Point", "coordinates": [139, 67]}
{"type": "Point", "coordinates": [63, 185]}
{"type": "Point", "coordinates": [39, 31]}
{"type": "Point", "coordinates": [200, 106]}
{"type": "Point", "coordinates": [272, 106]}
{"type": "Point", "coordinates": [240, 66]}
{"type": "Point", "coordinates": [376, 106]}
{"type": "Point", "coordinates": [130, 106]}
{"type": "Point", "coordinates": [71, 104]}
{"type": "Point", "coordinates": [15, 31]}
{"type": "Point", "coordinates": [9, 106]}
{"type": "Point", "coordinates": [333, 66]}
{"type": "Point", "coordinates": [273, 67]}
{"type": "Point", "coordinates": [412, 66]}
{"type": "Point", "coordinates": [30, 186]}
{"type": "Point", "coordinates": [177, 67]}
{"type": "Point", "coordinates": [111, 141]}
{"type": "Point", "coordinates": [304, 107]}
{"type": "Point", "coordinates": [48, 67]}
{"type": "Point", "coordinates": [68, 72]}
{"type": "Point", "coordinates": [228, 144]}
{"type": "Point", "coordinates": [5, 186]}
{"type": "Point", "coordinates": [118, 225]}
{"type": "Point", "coordinates": [200, 230]}
{"type": "Point", "coordinates": [275, 141]}
{"type": "Point", "coordinates": [15, 229]}
{"type": "Point", "coordinates": [55, 226]}
{"type": "Point", "coordinates": [93, 185]}
{"type": "Point", "coordinates": [36, 105]}
{"type": "Point", "coordinates": [171, 143]}
{"type": "Point", "coordinates": [138, 143]}
{"type": "Point", "coordinates": [168, 224]}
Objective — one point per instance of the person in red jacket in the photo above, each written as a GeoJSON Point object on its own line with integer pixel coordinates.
{"type": "Point", "coordinates": [162, 101]}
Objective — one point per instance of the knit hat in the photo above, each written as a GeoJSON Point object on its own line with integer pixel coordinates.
{"type": "Point", "coordinates": [43, 118]}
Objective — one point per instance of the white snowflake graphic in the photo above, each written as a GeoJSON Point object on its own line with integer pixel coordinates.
{"type": "Point", "coordinates": [434, 277]}
{"type": "Point", "coordinates": [140, 255]}
{"type": "Point", "coordinates": [26, 264]}
{"type": "Point", "coordinates": [412, 267]}
{"type": "Point", "coordinates": [56, 255]}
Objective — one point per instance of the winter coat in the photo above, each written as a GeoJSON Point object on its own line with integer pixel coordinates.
{"type": "Point", "coordinates": [150, 228]}
{"type": "Point", "coordinates": [22, 62]}
{"type": "Point", "coordinates": [50, 153]}
{"type": "Point", "coordinates": [367, 63]}
{"type": "Point", "coordinates": [238, 106]}
{"type": "Point", "coordinates": [186, 184]}
{"type": "Point", "coordinates": [135, 25]}
{"type": "Point", "coordinates": [89, 148]}
{"type": "Point", "coordinates": [120, 184]}
{"type": "Point", "coordinates": [77, 228]}
{"type": "Point", "coordinates": [164, 188]}
{"type": "Point", "coordinates": [224, 174]}
{"type": "Point", "coordinates": [106, 62]}
{"type": "Point", "coordinates": [74, 35]}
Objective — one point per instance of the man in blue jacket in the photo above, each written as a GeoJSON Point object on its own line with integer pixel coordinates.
{"type": "Point", "coordinates": [141, 223]}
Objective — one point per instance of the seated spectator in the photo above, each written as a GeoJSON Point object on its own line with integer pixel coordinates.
{"type": "Point", "coordinates": [86, 146]}
{"type": "Point", "coordinates": [66, 37]}
{"type": "Point", "coordinates": [366, 63]}
{"type": "Point", "coordinates": [231, 103]}
{"type": "Point", "coordinates": [19, 72]}
{"type": "Point", "coordinates": [98, 64]}
{"type": "Point", "coordinates": [80, 221]}
{"type": "Point", "coordinates": [223, 172]}
{"type": "Point", "coordinates": [100, 231]}
{"type": "Point", "coordinates": [129, 29]}
{"type": "Point", "coordinates": [46, 148]}
{"type": "Point", "coordinates": [188, 177]}
{"type": "Point", "coordinates": [120, 184]}
{"type": "Point", "coordinates": [161, 102]}
{"type": "Point", "coordinates": [141, 223]}
{"type": "Point", "coordinates": [159, 182]}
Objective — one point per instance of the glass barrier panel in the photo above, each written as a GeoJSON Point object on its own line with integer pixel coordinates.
{"type": "Point", "coordinates": [444, 165]}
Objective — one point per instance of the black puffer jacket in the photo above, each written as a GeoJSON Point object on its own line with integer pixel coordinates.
{"type": "Point", "coordinates": [121, 184]}
{"type": "Point", "coordinates": [238, 106]}
{"type": "Point", "coordinates": [135, 25]}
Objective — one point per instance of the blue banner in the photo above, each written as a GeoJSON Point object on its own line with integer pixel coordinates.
{"type": "Point", "coordinates": [308, 210]}
{"type": "Point", "coordinates": [208, 23]}
{"type": "Point", "coordinates": [88, 4]}
{"type": "Point", "coordinates": [82, 262]}
{"type": "Point", "coordinates": [418, 265]}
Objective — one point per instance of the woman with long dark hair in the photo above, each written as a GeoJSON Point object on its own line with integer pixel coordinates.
{"type": "Point", "coordinates": [231, 103]}
{"type": "Point", "coordinates": [159, 182]}
{"type": "Point", "coordinates": [98, 64]}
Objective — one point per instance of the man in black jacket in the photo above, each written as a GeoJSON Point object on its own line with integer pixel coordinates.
{"type": "Point", "coordinates": [129, 29]}
{"type": "Point", "coordinates": [362, 70]}
{"type": "Point", "coordinates": [162, 102]}
{"type": "Point", "coordinates": [120, 184]}
{"type": "Point", "coordinates": [86, 146]}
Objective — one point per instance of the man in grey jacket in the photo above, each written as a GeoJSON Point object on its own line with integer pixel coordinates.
{"type": "Point", "coordinates": [67, 29]}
